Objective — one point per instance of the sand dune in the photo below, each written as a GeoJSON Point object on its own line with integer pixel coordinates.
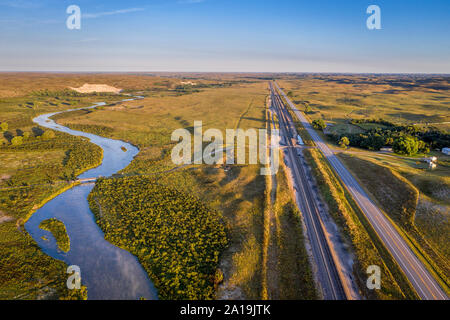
{"type": "Point", "coordinates": [89, 88]}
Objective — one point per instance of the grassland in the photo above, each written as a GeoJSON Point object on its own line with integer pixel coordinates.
{"type": "Point", "coordinates": [400, 99]}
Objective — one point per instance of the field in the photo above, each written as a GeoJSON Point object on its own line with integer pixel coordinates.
{"type": "Point", "coordinates": [400, 99]}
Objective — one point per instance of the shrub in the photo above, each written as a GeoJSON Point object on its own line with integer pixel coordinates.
{"type": "Point", "coordinates": [49, 134]}
{"type": "Point", "coordinates": [319, 124]}
{"type": "Point", "coordinates": [344, 142]}
{"type": "Point", "coordinates": [307, 108]}
{"type": "Point", "coordinates": [406, 145]}
{"type": "Point", "coordinates": [4, 126]}
{"type": "Point", "coordinates": [17, 141]}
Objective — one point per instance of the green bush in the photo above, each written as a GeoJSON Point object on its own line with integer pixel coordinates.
{"type": "Point", "coordinates": [48, 134]}
{"type": "Point", "coordinates": [4, 126]}
{"type": "Point", "coordinates": [319, 124]}
{"type": "Point", "coordinates": [406, 145]}
{"type": "Point", "coordinates": [17, 141]}
{"type": "Point", "coordinates": [344, 142]}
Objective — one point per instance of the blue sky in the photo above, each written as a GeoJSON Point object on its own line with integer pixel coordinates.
{"type": "Point", "coordinates": [226, 35]}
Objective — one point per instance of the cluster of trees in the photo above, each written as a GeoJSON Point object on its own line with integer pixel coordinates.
{"type": "Point", "coordinates": [193, 88]}
{"type": "Point", "coordinates": [69, 93]}
{"type": "Point", "coordinates": [23, 136]}
{"type": "Point", "coordinates": [407, 140]}
{"type": "Point", "coordinates": [377, 121]}
{"type": "Point", "coordinates": [58, 230]}
{"type": "Point", "coordinates": [409, 145]}
{"type": "Point", "coordinates": [80, 155]}
{"type": "Point", "coordinates": [319, 124]}
{"type": "Point", "coordinates": [344, 142]}
{"type": "Point", "coordinates": [176, 237]}
{"type": "Point", "coordinates": [308, 108]}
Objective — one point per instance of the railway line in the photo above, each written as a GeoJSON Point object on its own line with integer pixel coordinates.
{"type": "Point", "coordinates": [327, 270]}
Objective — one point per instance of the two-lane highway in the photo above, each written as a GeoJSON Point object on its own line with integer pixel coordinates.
{"type": "Point", "coordinates": [421, 279]}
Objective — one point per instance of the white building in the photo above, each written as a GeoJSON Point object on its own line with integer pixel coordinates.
{"type": "Point", "coordinates": [446, 151]}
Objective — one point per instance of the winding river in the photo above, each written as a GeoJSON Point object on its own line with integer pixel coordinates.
{"type": "Point", "coordinates": [110, 273]}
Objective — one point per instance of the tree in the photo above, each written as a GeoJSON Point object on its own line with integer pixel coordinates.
{"type": "Point", "coordinates": [344, 142]}
{"type": "Point", "coordinates": [17, 141]}
{"type": "Point", "coordinates": [48, 135]}
{"type": "Point", "coordinates": [406, 145]}
{"type": "Point", "coordinates": [423, 147]}
{"type": "Point", "coordinates": [307, 108]}
{"type": "Point", "coordinates": [4, 126]}
{"type": "Point", "coordinates": [319, 124]}
{"type": "Point", "coordinates": [374, 141]}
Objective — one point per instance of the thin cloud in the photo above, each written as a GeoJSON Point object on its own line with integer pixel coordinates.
{"type": "Point", "coordinates": [87, 40]}
{"type": "Point", "coordinates": [190, 1]}
{"type": "Point", "coordinates": [110, 13]}
{"type": "Point", "coordinates": [20, 4]}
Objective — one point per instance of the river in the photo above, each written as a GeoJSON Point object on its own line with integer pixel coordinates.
{"type": "Point", "coordinates": [110, 273]}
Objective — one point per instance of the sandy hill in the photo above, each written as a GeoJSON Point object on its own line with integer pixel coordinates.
{"type": "Point", "coordinates": [89, 88]}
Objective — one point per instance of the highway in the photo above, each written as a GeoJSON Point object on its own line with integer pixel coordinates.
{"type": "Point", "coordinates": [423, 282]}
{"type": "Point", "coordinates": [327, 272]}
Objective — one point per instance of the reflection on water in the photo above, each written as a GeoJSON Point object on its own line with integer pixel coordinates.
{"type": "Point", "coordinates": [108, 271]}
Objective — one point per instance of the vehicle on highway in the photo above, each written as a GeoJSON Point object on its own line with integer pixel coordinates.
{"type": "Point", "coordinates": [300, 140]}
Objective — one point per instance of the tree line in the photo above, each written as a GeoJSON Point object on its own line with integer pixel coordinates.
{"type": "Point", "coordinates": [407, 140]}
{"type": "Point", "coordinates": [22, 136]}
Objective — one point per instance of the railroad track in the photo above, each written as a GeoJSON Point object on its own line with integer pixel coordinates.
{"type": "Point", "coordinates": [327, 271]}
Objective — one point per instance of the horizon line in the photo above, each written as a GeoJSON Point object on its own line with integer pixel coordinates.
{"type": "Point", "coordinates": [231, 72]}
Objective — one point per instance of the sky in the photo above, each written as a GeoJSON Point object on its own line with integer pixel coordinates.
{"type": "Point", "coordinates": [226, 36]}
